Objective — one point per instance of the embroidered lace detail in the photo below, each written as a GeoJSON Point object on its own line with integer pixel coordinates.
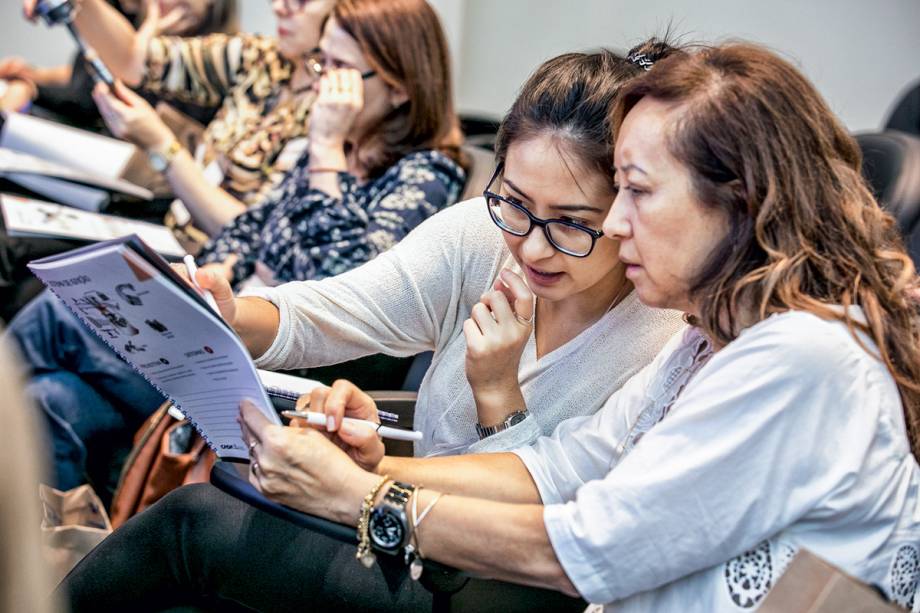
{"type": "Point", "coordinates": [784, 554]}
{"type": "Point", "coordinates": [905, 576]}
{"type": "Point", "coordinates": [749, 577]}
{"type": "Point", "coordinates": [680, 367]}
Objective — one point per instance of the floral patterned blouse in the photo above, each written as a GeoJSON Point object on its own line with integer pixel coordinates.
{"type": "Point", "coordinates": [302, 233]}
{"type": "Point", "coordinates": [248, 79]}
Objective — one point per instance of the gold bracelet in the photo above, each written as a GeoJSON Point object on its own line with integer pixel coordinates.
{"type": "Point", "coordinates": [364, 553]}
{"type": "Point", "coordinates": [314, 170]}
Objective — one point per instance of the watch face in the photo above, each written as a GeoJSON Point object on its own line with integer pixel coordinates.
{"type": "Point", "coordinates": [158, 162]}
{"type": "Point", "coordinates": [386, 530]}
{"type": "Point", "coordinates": [517, 418]}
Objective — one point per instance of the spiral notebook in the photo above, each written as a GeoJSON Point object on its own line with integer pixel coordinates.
{"type": "Point", "coordinates": [158, 323]}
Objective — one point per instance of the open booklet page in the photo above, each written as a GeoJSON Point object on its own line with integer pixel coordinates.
{"type": "Point", "coordinates": [156, 322]}
{"type": "Point", "coordinates": [27, 217]}
{"type": "Point", "coordinates": [15, 163]}
{"type": "Point", "coordinates": [90, 153]}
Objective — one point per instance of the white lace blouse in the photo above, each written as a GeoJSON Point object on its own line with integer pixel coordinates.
{"type": "Point", "coordinates": [692, 488]}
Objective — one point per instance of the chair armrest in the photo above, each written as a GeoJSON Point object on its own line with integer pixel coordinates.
{"type": "Point", "coordinates": [401, 404]}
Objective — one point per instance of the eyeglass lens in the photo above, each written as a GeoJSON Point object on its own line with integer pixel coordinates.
{"type": "Point", "coordinates": [513, 219]}
{"type": "Point", "coordinates": [317, 62]}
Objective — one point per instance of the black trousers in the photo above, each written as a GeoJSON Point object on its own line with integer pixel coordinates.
{"type": "Point", "coordinates": [202, 548]}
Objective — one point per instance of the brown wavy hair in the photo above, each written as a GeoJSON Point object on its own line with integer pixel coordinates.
{"type": "Point", "coordinates": [404, 43]}
{"type": "Point", "coordinates": [805, 232]}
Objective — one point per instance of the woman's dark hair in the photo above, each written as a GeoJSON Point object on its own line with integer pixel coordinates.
{"type": "Point", "coordinates": [805, 233]}
{"type": "Point", "coordinates": [571, 97]}
{"type": "Point", "coordinates": [405, 45]}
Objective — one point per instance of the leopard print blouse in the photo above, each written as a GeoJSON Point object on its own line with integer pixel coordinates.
{"type": "Point", "coordinates": [259, 114]}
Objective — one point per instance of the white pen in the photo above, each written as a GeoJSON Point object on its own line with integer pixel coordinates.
{"type": "Point", "coordinates": [192, 268]}
{"type": "Point", "coordinates": [319, 419]}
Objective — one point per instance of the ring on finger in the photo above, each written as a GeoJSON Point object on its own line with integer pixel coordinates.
{"type": "Point", "coordinates": [252, 446]}
{"type": "Point", "coordinates": [255, 468]}
{"type": "Point", "coordinates": [527, 321]}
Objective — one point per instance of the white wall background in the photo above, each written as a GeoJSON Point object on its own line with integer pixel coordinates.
{"type": "Point", "coordinates": [860, 54]}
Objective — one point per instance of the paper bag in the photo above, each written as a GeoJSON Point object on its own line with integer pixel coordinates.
{"type": "Point", "coordinates": [74, 523]}
{"type": "Point", "coordinates": [811, 585]}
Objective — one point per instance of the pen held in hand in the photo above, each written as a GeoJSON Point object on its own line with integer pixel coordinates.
{"type": "Point", "coordinates": [192, 269]}
{"type": "Point", "coordinates": [319, 419]}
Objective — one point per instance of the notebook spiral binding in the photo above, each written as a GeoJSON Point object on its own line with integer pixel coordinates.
{"type": "Point", "coordinates": [291, 397]}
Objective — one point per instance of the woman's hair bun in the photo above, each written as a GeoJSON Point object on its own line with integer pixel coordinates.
{"type": "Point", "coordinates": [645, 54]}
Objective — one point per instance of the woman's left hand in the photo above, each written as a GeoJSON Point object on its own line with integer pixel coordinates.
{"type": "Point", "coordinates": [496, 333]}
{"type": "Point", "coordinates": [338, 103]}
{"type": "Point", "coordinates": [130, 117]}
{"type": "Point", "coordinates": [301, 468]}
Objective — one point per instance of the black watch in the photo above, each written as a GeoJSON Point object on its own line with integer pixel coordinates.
{"type": "Point", "coordinates": [388, 527]}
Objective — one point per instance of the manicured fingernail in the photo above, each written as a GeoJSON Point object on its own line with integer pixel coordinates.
{"type": "Point", "coordinates": [330, 423]}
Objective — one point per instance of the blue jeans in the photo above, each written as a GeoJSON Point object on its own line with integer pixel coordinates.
{"type": "Point", "coordinates": [90, 397]}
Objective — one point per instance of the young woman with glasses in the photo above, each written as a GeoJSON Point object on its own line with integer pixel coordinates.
{"type": "Point", "coordinates": [383, 156]}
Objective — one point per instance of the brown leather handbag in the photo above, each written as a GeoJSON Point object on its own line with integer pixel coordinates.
{"type": "Point", "coordinates": [167, 453]}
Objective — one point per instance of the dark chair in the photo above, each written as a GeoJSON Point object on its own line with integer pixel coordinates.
{"type": "Point", "coordinates": [891, 165]}
{"type": "Point", "coordinates": [905, 117]}
{"type": "Point", "coordinates": [479, 130]}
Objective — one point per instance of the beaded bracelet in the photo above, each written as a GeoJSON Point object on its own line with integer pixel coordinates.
{"type": "Point", "coordinates": [364, 553]}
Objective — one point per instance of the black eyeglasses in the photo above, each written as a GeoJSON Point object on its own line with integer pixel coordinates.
{"type": "Point", "coordinates": [317, 62]}
{"type": "Point", "coordinates": [513, 217]}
